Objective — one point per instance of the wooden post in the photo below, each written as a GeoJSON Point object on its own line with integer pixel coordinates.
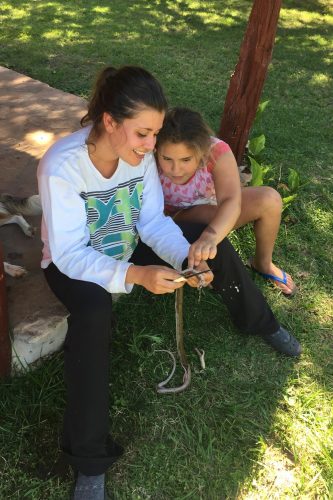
{"type": "Point", "coordinates": [5, 344]}
{"type": "Point", "coordinates": [249, 76]}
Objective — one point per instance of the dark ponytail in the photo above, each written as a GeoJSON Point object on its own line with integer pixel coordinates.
{"type": "Point", "coordinates": [123, 93]}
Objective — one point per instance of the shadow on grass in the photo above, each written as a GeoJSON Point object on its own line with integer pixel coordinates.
{"type": "Point", "coordinates": [204, 443]}
{"type": "Point", "coordinates": [47, 40]}
{"type": "Point", "coordinates": [206, 439]}
{"type": "Point", "coordinates": [315, 6]}
{"type": "Point", "coordinates": [88, 36]}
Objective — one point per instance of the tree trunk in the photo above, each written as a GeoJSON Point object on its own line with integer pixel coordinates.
{"type": "Point", "coordinates": [5, 345]}
{"type": "Point", "coordinates": [249, 76]}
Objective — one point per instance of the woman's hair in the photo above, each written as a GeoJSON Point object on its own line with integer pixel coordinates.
{"type": "Point", "coordinates": [122, 93]}
{"type": "Point", "coordinates": [182, 125]}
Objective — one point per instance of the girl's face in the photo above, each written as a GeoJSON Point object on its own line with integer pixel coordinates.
{"type": "Point", "coordinates": [134, 137]}
{"type": "Point", "coordinates": [178, 162]}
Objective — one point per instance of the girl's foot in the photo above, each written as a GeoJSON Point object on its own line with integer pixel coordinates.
{"type": "Point", "coordinates": [281, 280]}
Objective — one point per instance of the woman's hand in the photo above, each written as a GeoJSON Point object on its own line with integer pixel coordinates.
{"type": "Point", "coordinates": [203, 248]}
{"type": "Point", "coordinates": [156, 279]}
{"type": "Point", "coordinates": [203, 279]}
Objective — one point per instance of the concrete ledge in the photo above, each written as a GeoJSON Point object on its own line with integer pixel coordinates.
{"type": "Point", "coordinates": [33, 116]}
{"type": "Point", "coordinates": [37, 319]}
{"type": "Point", "coordinates": [32, 341]}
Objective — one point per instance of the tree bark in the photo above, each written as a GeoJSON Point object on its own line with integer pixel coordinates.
{"type": "Point", "coordinates": [5, 344]}
{"type": "Point", "coordinates": [248, 79]}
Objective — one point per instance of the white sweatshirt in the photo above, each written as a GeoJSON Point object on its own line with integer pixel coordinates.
{"type": "Point", "coordinates": [91, 225]}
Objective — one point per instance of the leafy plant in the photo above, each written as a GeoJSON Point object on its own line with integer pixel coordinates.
{"type": "Point", "coordinates": [259, 171]}
{"type": "Point", "coordinates": [289, 190]}
{"type": "Point", "coordinates": [261, 108]}
{"type": "Point", "coordinates": [256, 145]}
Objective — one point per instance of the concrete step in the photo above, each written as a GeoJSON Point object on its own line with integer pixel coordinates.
{"type": "Point", "coordinates": [37, 320]}
{"type": "Point", "coordinates": [33, 116]}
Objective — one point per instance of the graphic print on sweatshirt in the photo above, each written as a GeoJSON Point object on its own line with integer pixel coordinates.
{"type": "Point", "coordinates": [112, 216]}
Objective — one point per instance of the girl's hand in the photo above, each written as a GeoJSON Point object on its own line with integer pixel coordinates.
{"type": "Point", "coordinates": [204, 248]}
{"type": "Point", "coordinates": [156, 279]}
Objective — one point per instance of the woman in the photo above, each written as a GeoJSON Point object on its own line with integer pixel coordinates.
{"type": "Point", "coordinates": [103, 231]}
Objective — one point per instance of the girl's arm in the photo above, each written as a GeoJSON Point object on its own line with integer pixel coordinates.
{"type": "Point", "coordinates": [228, 198]}
{"type": "Point", "coordinates": [228, 195]}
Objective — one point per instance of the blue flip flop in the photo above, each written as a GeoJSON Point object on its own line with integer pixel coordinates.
{"type": "Point", "coordinates": [273, 278]}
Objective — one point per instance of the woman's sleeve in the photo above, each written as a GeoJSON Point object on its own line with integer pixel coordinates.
{"type": "Point", "coordinates": [64, 216]}
{"type": "Point", "coordinates": [157, 230]}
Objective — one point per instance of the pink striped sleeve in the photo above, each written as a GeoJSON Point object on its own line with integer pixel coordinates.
{"type": "Point", "coordinates": [218, 148]}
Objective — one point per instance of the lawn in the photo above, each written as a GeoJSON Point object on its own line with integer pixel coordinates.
{"type": "Point", "coordinates": [254, 424]}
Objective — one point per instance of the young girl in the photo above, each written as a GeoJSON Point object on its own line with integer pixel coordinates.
{"type": "Point", "coordinates": [200, 183]}
{"type": "Point", "coordinates": [103, 231]}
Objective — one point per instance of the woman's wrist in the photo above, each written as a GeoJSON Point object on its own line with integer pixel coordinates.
{"type": "Point", "coordinates": [134, 275]}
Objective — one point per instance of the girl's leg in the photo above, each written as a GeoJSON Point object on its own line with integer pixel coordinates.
{"type": "Point", "coordinates": [86, 441]}
{"type": "Point", "coordinates": [263, 206]}
{"type": "Point", "coordinates": [202, 214]}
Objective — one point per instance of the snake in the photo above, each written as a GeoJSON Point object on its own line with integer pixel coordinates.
{"type": "Point", "coordinates": [161, 389]}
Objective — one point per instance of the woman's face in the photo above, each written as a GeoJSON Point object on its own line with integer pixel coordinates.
{"type": "Point", "coordinates": [134, 137]}
{"type": "Point", "coordinates": [178, 162]}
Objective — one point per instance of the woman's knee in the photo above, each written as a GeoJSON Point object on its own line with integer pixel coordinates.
{"type": "Point", "coordinates": [90, 325]}
{"type": "Point", "coordinates": [97, 314]}
{"type": "Point", "coordinates": [89, 298]}
{"type": "Point", "coordinates": [91, 310]}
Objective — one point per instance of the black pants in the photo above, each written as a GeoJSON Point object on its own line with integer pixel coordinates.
{"type": "Point", "coordinates": [86, 442]}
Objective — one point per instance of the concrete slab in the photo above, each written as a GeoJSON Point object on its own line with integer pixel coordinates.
{"type": "Point", "coordinates": [33, 115]}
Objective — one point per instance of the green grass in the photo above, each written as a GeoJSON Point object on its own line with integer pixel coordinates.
{"type": "Point", "coordinates": [253, 425]}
